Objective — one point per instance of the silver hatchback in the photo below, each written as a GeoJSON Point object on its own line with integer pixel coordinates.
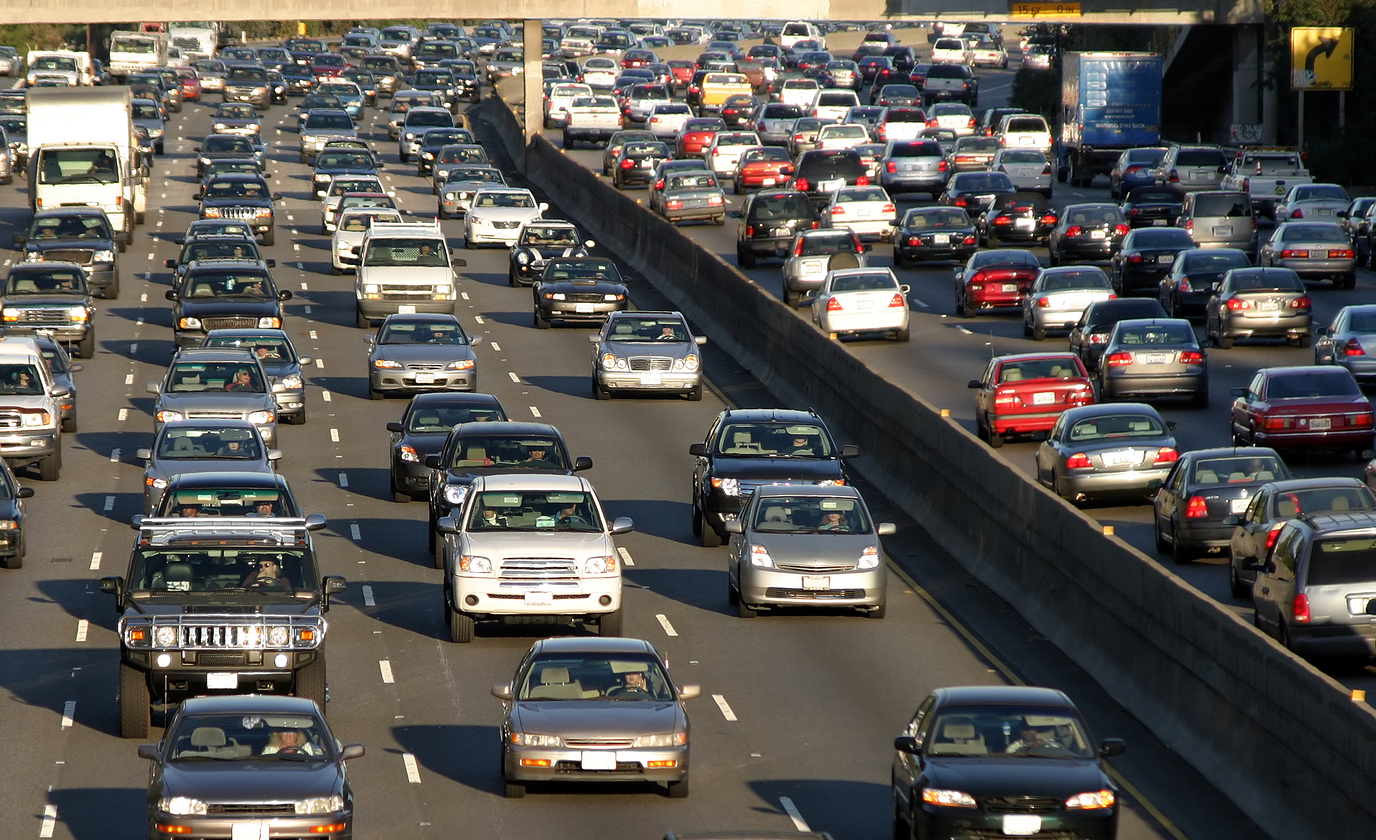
{"type": "Point", "coordinates": [1350, 341]}
{"type": "Point", "coordinates": [809, 258]}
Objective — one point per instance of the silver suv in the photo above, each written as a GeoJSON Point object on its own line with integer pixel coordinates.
{"type": "Point", "coordinates": [221, 384]}
{"type": "Point", "coordinates": [810, 257]}
{"type": "Point", "coordinates": [1219, 219]}
{"type": "Point", "coordinates": [1190, 168]}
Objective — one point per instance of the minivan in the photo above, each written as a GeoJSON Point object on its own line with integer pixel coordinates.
{"type": "Point", "coordinates": [1219, 219]}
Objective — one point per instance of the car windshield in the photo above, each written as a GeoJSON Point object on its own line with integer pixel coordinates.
{"type": "Point", "coordinates": [1112, 426]}
{"type": "Point", "coordinates": [551, 235]}
{"type": "Point", "coordinates": [484, 174]}
{"type": "Point", "coordinates": [493, 199]}
{"type": "Point", "coordinates": [52, 281]}
{"type": "Point", "coordinates": [421, 118]}
{"type": "Point", "coordinates": [20, 380]}
{"type": "Point", "coordinates": [526, 452]}
{"type": "Point", "coordinates": [1022, 371]}
{"type": "Point", "coordinates": [269, 349]}
{"type": "Point", "coordinates": [227, 501]}
{"type": "Point", "coordinates": [463, 154]}
{"type": "Point", "coordinates": [196, 377]}
{"type": "Point", "coordinates": [534, 510]}
{"type": "Point", "coordinates": [582, 270]}
{"type": "Point", "coordinates": [219, 284]}
{"type": "Point", "coordinates": [422, 332]}
{"type": "Point", "coordinates": [774, 440]}
{"type": "Point", "coordinates": [810, 515]}
{"type": "Point", "coordinates": [595, 676]}
{"type": "Point", "coordinates": [990, 730]}
{"type": "Point", "coordinates": [1307, 384]}
{"type": "Point", "coordinates": [405, 252]}
{"type": "Point", "coordinates": [318, 121]}
{"type": "Point", "coordinates": [1237, 470]}
{"type": "Point", "coordinates": [248, 737]}
{"type": "Point", "coordinates": [345, 160]}
{"type": "Point", "coordinates": [215, 569]}
{"type": "Point", "coordinates": [643, 329]}
{"type": "Point", "coordinates": [78, 166]}
{"type": "Point", "coordinates": [236, 189]}
{"type": "Point", "coordinates": [246, 75]}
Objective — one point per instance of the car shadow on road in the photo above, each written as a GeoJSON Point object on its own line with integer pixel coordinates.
{"type": "Point", "coordinates": [573, 386]}
{"type": "Point", "coordinates": [487, 279]}
{"type": "Point", "coordinates": [44, 679]}
{"type": "Point", "coordinates": [404, 604]}
{"type": "Point", "coordinates": [847, 810]}
{"type": "Point", "coordinates": [99, 813]}
{"type": "Point", "coordinates": [466, 754]}
{"type": "Point", "coordinates": [513, 319]}
{"type": "Point", "coordinates": [703, 589]}
{"type": "Point", "coordinates": [124, 505]}
{"type": "Point", "coordinates": [76, 596]}
{"type": "Point", "coordinates": [656, 517]}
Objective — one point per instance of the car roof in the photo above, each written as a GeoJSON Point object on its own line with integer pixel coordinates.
{"type": "Point", "coordinates": [1291, 484]}
{"type": "Point", "coordinates": [420, 318]}
{"type": "Point", "coordinates": [244, 703]}
{"type": "Point", "coordinates": [1330, 522]}
{"type": "Point", "coordinates": [514, 428]}
{"type": "Point", "coordinates": [1033, 357]}
{"type": "Point", "coordinates": [1230, 451]}
{"type": "Point", "coordinates": [788, 489]}
{"type": "Point", "coordinates": [1019, 694]}
{"type": "Point", "coordinates": [249, 333]}
{"type": "Point", "coordinates": [221, 263]}
{"type": "Point", "coordinates": [214, 354]}
{"type": "Point", "coordinates": [584, 644]}
{"type": "Point", "coordinates": [420, 401]}
{"type": "Point", "coordinates": [540, 481]}
{"type": "Point", "coordinates": [1110, 409]}
{"type": "Point", "coordinates": [771, 415]}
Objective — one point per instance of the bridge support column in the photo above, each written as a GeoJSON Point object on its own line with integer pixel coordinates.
{"type": "Point", "coordinates": [1249, 95]}
{"type": "Point", "coordinates": [534, 76]}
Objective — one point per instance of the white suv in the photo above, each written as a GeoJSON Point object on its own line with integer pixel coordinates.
{"type": "Point", "coordinates": [403, 269]}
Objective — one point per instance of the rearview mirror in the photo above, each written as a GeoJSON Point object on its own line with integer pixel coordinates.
{"type": "Point", "coordinates": [595, 339]}
{"type": "Point", "coordinates": [305, 360]}
{"type": "Point", "coordinates": [143, 454]}
{"type": "Point", "coordinates": [196, 196]}
{"type": "Point", "coordinates": [152, 388]}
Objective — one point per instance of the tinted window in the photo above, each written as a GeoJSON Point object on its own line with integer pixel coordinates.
{"type": "Point", "coordinates": [1200, 157]}
{"type": "Point", "coordinates": [1252, 281]}
{"type": "Point", "coordinates": [1342, 561]}
{"type": "Point", "coordinates": [1317, 383]}
{"type": "Point", "coordinates": [1116, 426]}
{"type": "Point", "coordinates": [827, 166]}
{"type": "Point", "coordinates": [1177, 238]}
{"type": "Point", "coordinates": [1223, 205]}
{"type": "Point", "coordinates": [810, 515]}
{"type": "Point", "coordinates": [782, 207]}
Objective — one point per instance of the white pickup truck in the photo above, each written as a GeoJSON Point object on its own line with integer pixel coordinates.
{"type": "Point", "coordinates": [1266, 175]}
{"type": "Point", "coordinates": [591, 119]}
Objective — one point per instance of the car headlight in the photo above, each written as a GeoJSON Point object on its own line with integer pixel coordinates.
{"type": "Point", "coordinates": [869, 558]}
{"type": "Point", "coordinates": [691, 362]}
{"type": "Point", "coordinates": [832, 482]}
{"type": "Point", "coordinates": [165, 635]}
{"type": "Point", "coordinates": [605, 565]}
{"type": "Point", "coordinates": [476, 220]}
{"type": "Point", "coordinates": [9, 313]}
{"type": "Point", "coordinates": [320, 805]}
{"type": "Point", "coordinates": [444, 289]}
{"type": "Point", "coordinates": [219, 126]}
{"type": "Point", "coordinates": [279, 635]}
{"type": "Point", "coordinates": [205, 161]}
{"type": "Point", "coordinates": [523, 258]}
{"type": "Point", "coordinates": [189, 323]}
{"type": "Point", "coordinates": [33, 256]}
{"type": "Point", "coordinates": [759, 556]}
{"type": "Point", "coordinates": [427, 155]}
{"type": "Point", "coordinates": [668, 739]}
{"type": "Point", "coordinates": [728, 486]}
{"type": "Point", "coordinates": [613, 298]}
{"type": "Point", "coordinates": [181, 806]}
{"type": "Point", "coordinates": [158, 483]}
{"type": "Point", "coordinates": [103, 256]}
{"type": "Point", "coordinates": [948, 798]}
{"type": "Point", "coordinates": [167, 415]}
{"type": "Point", "coordinates": [210, 212]}
{"type": "Point", "coordinates": [386, 363]}
{"type": "Point", "coordinates": [408, 454]}
{"type": "Point", "coordinates": [370, 288]}
{"type": "Point", "coordinates": [291, 381]}
{"type": "Point", "coordinates": [410, 135]}
{"type": "Point", "coordinates": [79, 313]}
{"type": "Point", "coordinates": [475, 565]}
{"type": "Point", "coordinates": [454, 494]}
{"type": "Point", "coordinates": [1092, 800]}
{"type": "Point", "coordinates": [259, 91]}
{"type": "Point", "coordinates": [530, 739]}
{"type": "Point", "coordinates": [461, 364]}
{"type": "Point", "coordinates": [611, 362]}
{"type": "Point", "coordinates": [9, 525]}
{"type": "Point", "coordinates": [269, 322]}
{"type": "Point", "coordinates": [260, 418]}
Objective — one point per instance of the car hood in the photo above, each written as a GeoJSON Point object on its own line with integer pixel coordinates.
{"type": "Point", "coordinates": [505, 214]}
{"type": "Point", "coordinates": [601, 287]}
{"type": "Point", "coordinates": [345, 170]}
{"type": "Point", "coordinates": [236, 201]}
{"type": "Point", "coordinates": [596, 718]}
{"type": "Point", "coordinates": [214, 400]}
{"type": "Point", "coordinates": [271, 780]}
{"type": "Point", "coordinates": [68, 244]}
{"type": "Point", "coordinates": [47, 300]}
{"type": "Point", "coordinates": [828, 548]}
{"type": "Point", "coordinates": [545, 542]}
{"type": "Point", "coordinates": [168, 467]}
{"type": "Point", "coordinates": [436, 353]}
{"type": "Point", "coordinates": [776, 469]}
{"type": "Point", "coordinates": [1024, 775]}
{"type": "Point", "coordinates": [425, 443]}
{"type": "Point", "coordinates": [675, 349]}
{"type": "Point", "coordinates": [210, 308]}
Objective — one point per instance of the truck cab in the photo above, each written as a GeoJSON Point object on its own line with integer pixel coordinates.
{"type": "Point", "coordinates": [404, 268]}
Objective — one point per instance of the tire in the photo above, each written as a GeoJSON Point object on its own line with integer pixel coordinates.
{"type": "Point", "coordinates": [469, 243]}
{"type": "Point", "coordinates": [401, 498]}
{"type": "Point", "coordinates": [69, 426]}
{"type": "Point", "coordinates": [1238, 588]}
{"type": "Point", "coordinates": [610, 624]}
{"type": "Point", "coordinates": [111, 292]}
{"type": "Point", "coordinates": [511, 277]}
{"type": "Point", "coordinates": [901, 336]}
{"type": "Point", "coordinates": [374, 394]}
{"type": "Point", "coordinates": [405, 158]}
{"type": "Point", "coordinates": [269, 237]}
{"type": "Point", "coordinates": [695, 395]}
{"type": "Point", "coordinates": [86, 347]}
{"type": "Point", "coordinates": [514, 790]}
{"type": "Point", "coordinates": [598, 391]}
{"type": "Point", "coordinates": [792, 298]}
{"type": "Point", "coordinates": [1180, 553]}
{"type": "Point", "coordinates": [1162, 547]}
{"type": "Point", "coordinates": [50, 468]}
{"type": "Point", "coordinates": [1305, 340]}
{"type": "Point", "coordinates": [310, 681]}
{"type": "Point", "coordinates": [134, 702]}
{"type": "Point", "coordinates": [540, 322]}
{"type": "Point", "coordinates": [679, 789]}
{"type": "Point", "coordinates": [879, 611]}
{"type": "Point", "coordinates": [708, 535]}
{"type": "Point", "coordinates": [721, 221]}
{"type": "Point", "coordinates": [461, 626]}
{"type": "Point", "coordinates": [361, 322]}
{"type": "Point", "coordinates": [733, 597]}
{"type": "Point", "coordinates": [960, 305]}
{"type": "Point", "coordinates": [336, 270]}
{"type": "Point", "coordinates": [1201, 399]}
{"type": "Point", "coordinates": [1225, 341]}
{"type": "Point", "coordinates": [746, 259]}
{"type": "Point", "coordinates": [995, 441]}
{"type": "Point", "coordinates": [743, 610]}
{"type": "Point", "coordinates": [17, 561]}
{"type": "Point", "coordinates": [1039, 333]}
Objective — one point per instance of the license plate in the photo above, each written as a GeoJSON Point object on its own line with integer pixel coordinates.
{"type": "Point", "coordinates": [221, 680]}
{"type": "Point", "coordinates": [769, 182]}
{"type": "Point", "coordinates": [1322, 212]}
{"type": "Point", "coordinates": [941, 239]}
{"type": "Point", "coordinates": [1223, 231]}
{"type": "Point", "coordinates": [1026, 141]}
{"type": "Point", "coordinates": [783, 231]}
{"type": "Point", "coordinates": [1119, 459]}
{"type": "Point", "coordinates": [1009, 287]}
{"type": "Point", "coordinates": [645, 164]}
{"type": "Point", "coordinates": [1043, 398]}
{"type": "Point", "coordinates": [1024, 224]}
{"type": "Point", "coordinates": [425, 379]}
{"type": "Point", "coordinates": [864, 304]}
{"type": "Point", "coordinates": [1155, 358]}
{"type": "Point", "coordinates": [582, 307]}
{"type": "Point", "coordinates": [832, 185]}
{"type": "Point", "coordinates": [1097, 234]}
{"type": "Point", "coordinates": [651, 378]}
{"type": "Point", "coordinates": [249, 831]}
{"type": "Point", "coordinates": [599, 760]}
{"type": "Point", "coordinates": [1202, 173]}
{"type": "Point", "coordinates": [816, 582]}
{"type": "Point", "coordinates": [865, 213]}
{"type": "Point", "coordinates": [1268, 306]}
{"type": "Point", "coordinates": [1238, 505]}
{"type": "Point", "coordinates": [1320, 424]}
{"type": "Point", "coordinates": [539, 599]}
{"type": "Point", "coordinates": [1159, 222]}
{"type": "Point", "coordinates": [406, 309]}
{"type": "Point", "coordinates": [1021, 825]}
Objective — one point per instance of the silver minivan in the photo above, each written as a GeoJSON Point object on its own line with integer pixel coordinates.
{"type": "Point", "coordinates": [1190, 168]}
{"type": "Point", "coordinates": [1219, 219]}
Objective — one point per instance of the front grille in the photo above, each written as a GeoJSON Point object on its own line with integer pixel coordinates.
{"type": "Point", "coordinates": [538, 569]}
{"type": "Point", "coordinates": [239, 213]}
{"type": "Point", "coordinates": [393, 289]}
{"type": "Point", "coordinates": [558, 596]}
{"type": "Point", "coordinates": [609, 743]}
{"type": "Point", "coordinates": [506, 225]}
{"type": "Point", "coordinates": [222, 659]}
{"type": "Point", "coordinates": [421, 366]}
{"type": "Point", "coordinates": [76, 255]}
{"type": "Point", "coordinates": [45, 315]}
{"type": "Point", "coordinates": [207, 414]}
{"type": "Point", "coordinates": [229, 323]}
{"type": "Point", "coordinates": [814, 570]}
{"type": "Point", "coordinates": [651, 363]}
{"type": "Point", "coordinates": [577, 767]}
{"type": "Point", "coordinates": [1023, 804]}
{"type": "Point", "coordinates": [276, 809]}
{"type": "Point", "coordinates": [218, 636]}
{"type": "Point", "coordinates": [583, 297]}
{"type": "Point", "coordinates": [10, 420]}
{"type": "Point", "coordinates": [997, 834]}
{"type": "Point", "coordinates": [813, 594]}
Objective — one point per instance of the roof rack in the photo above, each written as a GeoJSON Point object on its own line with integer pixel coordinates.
{"type": "Point", "coordinates": [222, 530]}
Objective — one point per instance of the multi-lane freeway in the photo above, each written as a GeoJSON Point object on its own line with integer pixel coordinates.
{"type": "Point", "coordinates": [795, 725]}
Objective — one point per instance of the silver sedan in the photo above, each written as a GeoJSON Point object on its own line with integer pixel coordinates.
{"type": "Point", "coordinates": [1314, 251]}
{"type": "Point", "coordinates": [1119, 449]}
{"type": "Point", "coordinates": [1060, 295]}
{"type": "Point", "coordinates": [1350, 341]}
{"type": "Point", "coordinates": [644, 351]}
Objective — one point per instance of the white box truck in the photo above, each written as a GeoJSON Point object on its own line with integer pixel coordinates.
{"type": "Point", "coordinates": [82, 153]}
{"type": "Point", "coordinates": [133, 52]}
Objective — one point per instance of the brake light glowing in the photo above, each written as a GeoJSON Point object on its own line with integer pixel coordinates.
{"type": "Point", "coordinates": [888, 208]}
{"type": "Point", "coordinates": [1074, 230]}
{"type": "Point", "coordinates": [1049, 219]}
{"type": "Point", "coordinates": [1297, 213]}
{"type": "Point", "coordinates": [1272, 534]}
{"type": "Point", "coordinates": [834, 305]}
{"type": "Point", "coordinates": [627, 163]}
{"type": "Point", "coordinates": [1002, 220]}
{"type": "Point", "coordinates": [749, 230]}
{"type": "Point", "coordinates": [1166, 455]}
{"type": "Point", "coordinates": [1118, 359]}
{"type": "Point", "coordinates": [941, 167]}
{"type": "Point", "coordinates": [1294, 254]}
{"type": "Point", "coordinates": [1353, 347]}
{"type": "Point", "coordinates": [1341, 255]}
{"type": "Point", "coordinates": [1191, 357]}
{"type": "Point", "coordinates": [1197, 508]}
{"type": "Point", "coordinates": [913, 240]}
{"type": "Point", "coordinates": [1301, 302]}
{"type": "Point", "coordinates": [1043, 302]}
{"type": "Point", "coordinates": [801, 183]}
{"type": "Point", "coordinates": [1239, 303]}
{"type": "Point", "coordinates": [890, 167]}
{"type": "Point", "coordinates": [1121, 230]}
{"type": "Point", "coordinates": [1301, 609]}
{"type": "Point", "coordinates": [673, 204]}
{"type": "Point", "coordinates": [898, 301]}
{"type": "Point", "coordinates": [1359, 421]}
{"type": "Point", "coordinates": [961, 201]}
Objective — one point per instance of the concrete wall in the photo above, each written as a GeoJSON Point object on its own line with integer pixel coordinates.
{"type": "Point", "coordinates": [1281, 739]}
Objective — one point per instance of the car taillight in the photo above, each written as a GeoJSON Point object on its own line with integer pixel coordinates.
{"type": "Point", "coordinates": [1272, 534]}
{"type": "Point", "coordinates": [1046, 170]}
{"type": "Point", "coordinates": [797, 138]}
{"type": "Point", "coordinates": [1353, 347]}
{"type": "Point", "coordinates": [838, 210]}
{"type": "Point", "coordinates": [961, 201]}
{"type": "Point", "coordinates": [798, 248]}
{"type": "Point", "coordinates": [969, 239]}
{"type": "Point", "coordinates": [1360, 421]}
{"type": "Point", "coordinates": [1191, 357]}
{"type": "Point", "coordinates": [1189, 225]}
{"type": "Point", "coordinates": [1002, 220]}
{"type": "Point", "coordinates": [816, 225]}
{"type": "Point", "coordinates": [888, 208]}
{"type": "Point", "coordinates": [1197, 508]}
{"type": "Point", "coordinates": [1301, 609]}
{"type": "Point", "coordinates": [972, 119]}
{"type": "Point", "coordinates": [1049, 219]}
{"type": "Point", "coordinates": [1043, 302]}
{"type": "Point", "coordinates": [1078, 461]}
{"type": "Point", "coordinates": [913, 240]}
{"type": "Point", "coordinates": [1119, 359]}
{"type": "Point", "coordinates": [897, 300]}
{"type": "Point", "coordinates": [627, 163]}
{"type": "Point", "coordinates": [1135, 259]}
{"type": "Point", "coordinates": [933, 123]}
{"type": "Point", "coordinates": [659, 185]}
{"type": "Point", "coordinates": [749, 230]}
{"type": "Point", "coordinates": [863, 181]}
{"type": "Point", "coordinates": [801, 183]}
{"type": "Point", "coordinates": [1175, 177]}
{"type": "Point", "coordinates": [1297, 213]}
{"type": "Point", "coordinates": [1134, 212]}
{"type": "Point", "coordinates": [1166, 455]}
{"type": "Point", "coordinates": [1341, 255]}
{"type": "Point", "coordinates": [1074, 230]}
{"type": "Point", "coordinates": [1294, 254]}
{"type": "Point", "coordinates": [942, 166]}
{"type": "Point", "coordinates": [890, 167]}
{"type": "Point", "coordinates": [674, 204]}
{"type": "Point", "coordinates": [1275, 423]}
{"type": "Point", "coordinates": [1185, 284]}
{"type": "Point", "coordinates": [833, 305]}
{"type": "Point", "coordinates": [1121, 230]}
{"type": "Point", "coordinates": [1239, 303]}
{"type": "Point", "coordinates": [1301, 302]}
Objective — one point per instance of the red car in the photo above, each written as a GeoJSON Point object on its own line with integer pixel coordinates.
{"type": "Point", "coordinates": [327, 66]}
{"type": "Point", "coordinates": [1317, 407]}
{"type": "Point", "coordinates": [766, 166]}
{"type": "Point", "coordinates": [1025, 393]}
{"type": "Point", "coordinates": [190, 84]}
{"type": "Point", "coordinates": [682, 71]}
{"type": "Point", "coordinates": [637, 58]}
{"type": "Point", "coordinates": [994, 279]}
{"type": "Point", "coordinates": [697, 135]}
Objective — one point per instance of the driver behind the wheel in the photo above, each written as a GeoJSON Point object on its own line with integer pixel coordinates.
{"type": "Point", "coordinates": [289, 742]}
{"type": "Point", "coordinates": [267, 573]}
{"type": "Point", "coordinates": [633, 684]}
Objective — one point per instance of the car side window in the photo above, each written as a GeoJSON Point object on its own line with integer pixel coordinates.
{"type": "Point", "coordinates": [1284, 553]}
{"type": "Point", "coordinates": [1255, 509]}
{"type": "Point", "coordinates": [1054, 436]}
{"type": "Point", "coordinates": [1254, 390]}
{"type": "Point", "coordinates": [988, 377]}
{"type": "Point", "coordinates": [1175, 481]}
{"type": "Point", "coordinates": [915, 725]}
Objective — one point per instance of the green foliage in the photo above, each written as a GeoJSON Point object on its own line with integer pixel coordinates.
{"type": "Point", "coordinates": [1037, 91]}
{"type": "Point", "coordinates": [43, 36]}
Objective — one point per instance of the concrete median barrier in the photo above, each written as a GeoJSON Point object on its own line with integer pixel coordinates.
{"type": "Point", "coordinates": [1282, 740]}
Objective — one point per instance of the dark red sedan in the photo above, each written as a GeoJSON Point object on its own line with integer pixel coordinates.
{"type": "Point", "coordinates": [994, 279]}
{"type": "Point", "coordinates": [1318, 407]}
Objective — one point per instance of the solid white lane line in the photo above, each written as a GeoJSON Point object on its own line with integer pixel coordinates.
{"type": "Point", "coordinates": [82, 628]}
{"type": "Point", "coordinates": [123, 414]}
{"type": "Point", "coordinates": [920, 303]}
{"type": "Point", "coordinates": [625, 556]}
{"type": "Point", "coordinates": [343, 479]}
{"type": "Point", "coordinates": [385, 666]}
{"type": "Point", "coordinates": [792, 811]}
{"type": "Point", "coordinates": [514, 377]}
{"type": "Point", "coordinates": [95, 560]}
{"type": "Point", "coordinates": [535, 411]}
{"type": "Point", "coordinates": [68, 709]}
{"type": "Point", "coordinates": [109, 502]}
{"type": "Point", "coordinates": [496, 346]}
{"type": "Point", "coordinates": [129, 379]}
{"type": "Point", "coordinates": [724, 706]}
{"type": "Point", "coordinates": [412, 769]}
{"type": "Point", "coordinates": [45, 828]}
{"type": "Point", "coordinates": [668, 628]}
{"type": "Point", "coordinates": [334, 435]}
{"type": "Point", "coordinates": [368, 596]}
{"type": "Point", "coordinates": [114, 456]}
{"type": "Point", "coordinates": [354, 532]}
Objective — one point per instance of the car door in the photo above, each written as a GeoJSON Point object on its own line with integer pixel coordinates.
{"type": "Point", "coordinates": [1276, 579]}
{"type": "Point", "coordinates": [907, 767]}
{"type": "Point", "coordinates": [1048, 451]}
{"type": "Point", "coordinates": [1167, 499]}
{"type": "Point", "coordinates": [1250, 534]}
{"type": "Point", "coordinates": [1248, 406]}
{"type": "Point", "coordinates": [1077, 335]}
{"type": "Point", "coordinates": [704, 463]}
{"type": "Point", "coordinates": [985, 395]}
{"type": "Point", "coordinates": [735, 547]}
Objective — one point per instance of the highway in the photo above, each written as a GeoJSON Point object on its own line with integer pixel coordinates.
{"type": "Point", "coordinates": [798, 712]}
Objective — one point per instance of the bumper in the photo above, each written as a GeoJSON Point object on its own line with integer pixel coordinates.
{"type": "Point", "coordinates": [670, 381]}
{"type": "Point", "coordinates": [590, 312]}
{"type": "Point", "coordinates": [965, 822]}
{"type": "Point", "coordinates": [1318, 269]}
{"type": "Point", "coordinates": [524, 764]}
{"type": "Point", "coordinates": [1315, 440]}
{"type": "Point", "coordinates": [1089, 249]}
{"type": "Point", "coordinates": [379, 309]}
{"type": "Point", "coordinates": [63, 333]}
{"type": "Point", "coordinates": [921, 183]}
{"type": "Point", "coordinates": [1055, 319]}
{"type": "Point", "coordinates": [1334, 640]}
{"type": "Point", "coordinates": [1245, 327]}
{"type": "Point", "coordinates": [1009, 233]}
{"type": "Point", "coordinates": [405, 381]}
{"type": "Point", "coordinates": [1124, 481]}
{"type": "Point", "coordinates": [181, 679]}
{"type": "Point", "coordinates": [772, 246]}
{"type": "Point", "coordinates": [585, 596]}
{"type": "Point", "coordinates": [1020, 424]}
{"type": "Point", "coordinates": [871, 229]}
{"type": "Point", "coordinates": [290, 403]}
{"type": "Point", "coordinates": [766, 587]}
{"type": "Point", "coordinates": [689, 213]}
{"type": "Point", "coordinates": [25, 448]}
{"type": "Point", "coordinates": [411, 476]}
{"type": "Point", "coordinates": [215, 828]}
{"type": "Point", "coordinates": [1206, 534]}
{"type": "Point", "coordinates": [487, 234]}
{"type": "Point", "coordinates": [935, 252]}
{"type": "Point", "coordinates": [869, 322]}
{"type": "Point", "coordinates": [1164, 385]}
{"type": "Point", "coordinates": [993, 300]}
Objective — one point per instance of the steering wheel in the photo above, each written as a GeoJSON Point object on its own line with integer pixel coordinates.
{"type": "Point", "coordinates": [572, 520]}
{"type": "Point", "coordinates": [617, 691]}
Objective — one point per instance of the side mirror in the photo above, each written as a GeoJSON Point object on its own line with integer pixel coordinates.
{"type": "Point", "coordinates": [447, 525]}
{"type": "Point", "coordinates": [143, 454]}
{"type": "Point", "coordinates": [1112, 747]}
{"type": "Point", "coordinates": [278, 388]}
{"type": "Point", "coordinates": [582, 462]}
{"type": "Point", "coordinates": [396, 428]}
{"type": "Point", "coordinates": [590, 244]}
{"type": "Point", "coordinates": [688, 692]}
{"type": "Point", "coordinates": [850, 450]}
{"type": "Point", "coordinates": [277, 196]}
{"type": "Point", "coordinates": [274, 454]}
{"type": "Point", "coordinates": [351, 751]}
{"type": "Point", "coordinates": [475, 340]}
{"type": "Point", "coordinates": [271, 263]}
{"type": "Point", "coordinates": [622, 525]}
{"type": "Point", "coordinates": [170, 294]}
{"type": "Point", "coordinates": [543, 207]}
{"type": "Point", "coordinates": [285, 294]}
{"type": "Point", "coordinates": [26, 492]}
{"type": "Point", "coordinates": [305, 360]}
{"type": "Point", "coordinates": [1322, 331]}
{"type": "Point", "coordinates": [1238, 392]}
{"type": "Point", "coordinates": [698, 449]}
{"type": "Point", "coordinates": [735, 214]}
{"type": "Point", "coordinates": [432, 461]}
{"type": "Point", "coordinates": [18, 240]}
{"type": "Point", "coordinates": [733, 526]}
{"type": "Point", "coordinates": [76, 368]}
{"type": "Point", "coordinates": [1154, 484]}
{"type": "Point", "coordinates": [975, 383]}
{"type": "Point", "coordinates": [907, 744]}
{"type": "Point", "coordinates": [502, 691]}
{"type": "Point", "coordinates": [167, 263]}
{"type": "Point", "coordinates": [886, 529]}
{"type": "Point", "coordinates": [114, 585]}
{"type": "Point", "coordinates": [1171, 424]}
{"type": "Point", "coordinates": [355, 250]}
{"type": "Point", "coordinates": [595, 338]}
{"type": "Point", "coordinates": [459, 262]}
{"type": "Point", "coordinates": [150, 752]}
{"type": "Point", "coordinates": [196, 196]}
{"type": "Point", "coordinates": [330, 585]}
{"type": "Point", "coordinates": [700, 340]}
{"type": "Point", "coordinates": [153, 388]}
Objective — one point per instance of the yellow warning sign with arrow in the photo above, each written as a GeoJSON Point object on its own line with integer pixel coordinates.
{"type": "Point", "coordinates": [1320, 58]}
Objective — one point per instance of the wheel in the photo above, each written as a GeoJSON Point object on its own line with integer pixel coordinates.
{"type": "Point", "coordinates": [695, 395]}
{"type": "Point", "coordinates": [598, 391]}
{"type": "Point", "coordinates": [511, 277]}
{"type": "Point", "coordinates": [743, 610]}
{"type": "Point", "coordinates": [995, 441]}
{"type": "Point", "coordinates": [708, 535]}
{"type": "Point", "coordinates": [1225, 341]}
{"type": "Point", "coordinates": [1180, 553]}
{"type": "Point", "coordinates": [298, 419]}
{"type": "Point", "coordinates": [609, 624]}
{"type": "Point", "coordinates": [1305, 340]}
{"type": "Point", "coordinates": [86, 347]}
{"type": "Point", "coordinates": [960, 305]}
{"type": "Point", "coordinates": [138, 217]}
{"type": "Point", "coordinates": [17, 561]}
{"type": "Point", "coordinates": [469, 243]}
{"type": "Point", "coordinates": [1239, 588]}
{"type": "Point", "coordinates": [336, 270]}
{"type": "Point", "coordinates": [540, 322]}
{"type": "Point", "coordinates": [1201, 399]}
{"type": "Point", "coordinates": [269, 236]}
{"type": "Point", "coordinates": [746, 259]}
{"type": "Point", "coordinates": [792, 298]}
{"type": "Point", "coordinates": [719, 222]}
{"type": "Point", "coordinates": [111, 292]}
{"type": "Point", "coordinates": [399, 497]}
{"type": "Point", "coordinates": [733, 597]}
{"type": "Point", "coordinates": [310, 681]}
{"type": "Point", "coordinates": [442, 214]}
{"type": "Point", "coordinates": [1039, 333]}
{"type": "Point", "coordinates": [405, 158]}
{"type": "Point", "coordinates": [901, 335]}
{"type": "Point", "coordinates": [679, 789]}
{"type": "Point", "coordinates": [460, 627]}
{"type": "Point", "coordinates": [69, 425]}
{"type": "Point", "coordinates": [1162, 547]}
{"type": "Point", "coordinates": [374, 394]}
{"type": "Point", "coordinates": [51, 467]}
{"type": "Point", "coordinates": [360, 321]}
{"type": "Point", "coordinates": [514, 790]}
{"type": "Point", "coordinates": [133, 702]}
{"type": "Point", "coordinates": [1348, 281]}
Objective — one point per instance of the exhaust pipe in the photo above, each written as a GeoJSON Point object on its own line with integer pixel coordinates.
{"type": "Point", "coordinates": [1081, 497]}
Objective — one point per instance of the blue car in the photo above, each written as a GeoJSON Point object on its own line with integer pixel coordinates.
{"type": "Point", "coordinates": [349, 94]}
{"type": "Point", "coordinates": [1134, 169]}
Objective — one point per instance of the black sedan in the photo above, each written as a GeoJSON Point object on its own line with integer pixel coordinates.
{"type": "Point", "coordinates": [231, 761]}
{"type": "Point", "coordinates": [636, 162]}
{"type": "Point", "coordinates": [332, 162]}
{"type": "Point", "coordinates": [933, 233]}
{"type": "Point", "coordinates": [1152, 207]}
{"type": "Point", "coordinates": [1020, 217]}
{"type": "Point", "coordinates": [1194, 276]}
{"type": "Point", "coordinates": [1087, 232]}
{"type": "Point", "coordinates": [975, 192]}
{"type": "Point", "coordinates": [578, 289]}
{"type": "Point", "coordinates": [1146, 256]}
{"type": "Point", "coordinates": [999, 761]}
{"type": "Point", "coordinates": [1206, 487]}
{"type": "Point", "coordinates": [422, 431]}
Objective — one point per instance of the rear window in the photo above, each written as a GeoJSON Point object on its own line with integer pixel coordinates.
{"type": "Point", "coordinates": [905, 115]}
{"type": "Point", "coordinates": [1235, 470]}
{"type": "Point", "coordinates": [1168, 238]}
{"type": "Point", "coordinates": [1362, 321]}
{"type": "Point", "coordinates": [1231, 206]}
{"type": "Point", "coordinates": [1200, 157]}
{"type": "Point", "coordinates": [923, 219]}
{"type": "Point", "coordinates": [827, 166]}
{"type": "Point", "coordinates": [1252, 281]}
{"type": "Point", "coordinates": [1156, 334]}
{"type": "Point", "coordinates": [783, 207]}
{"type": "Point", "coordinates": [1342, 561]}
{"type": "Point", "coordinates": [1017, 155]}
{"type": "Point", "coordinates": [985, 144]}
{"type": "Point", "coordinates": [1319, 383]}
{"type": "Point", "coordinates": [947, 71]}
{"type": "Point", "coordinates": [836, 97]}
{"type": "Point", "coordinates": [1315, 233]}
{"type": "Point", "coordinates": [1026, 124]}
{"type": "Point", "coordinates": [824, 246]}
{"type": "Point", "coordinates": [1116, 426]}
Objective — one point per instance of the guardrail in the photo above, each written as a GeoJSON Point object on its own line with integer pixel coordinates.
{"type": "Point", "coordinates": [1282, 740]}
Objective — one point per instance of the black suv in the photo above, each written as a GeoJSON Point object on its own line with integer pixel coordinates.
{"type": "Point", "coordinates": [50, 298]}
{"type": "Point", "coordinates": [12, 510]}
{"type": "Point", "coordinates": [746, 448]}
{"type": "Point", "coordinates": [492, 448]}
{"type": "Point", "coordinates": [220, 605]}
{"type": "Point", "coordinates": [221, 294]}
{"type": "Point", "coordinates": [82, 235]}
{"type": "Point", "coordinates": [240, 196]}
{"type": "Point", "coordinates": [769, 221]}
{"type": "Point", "coordinates": [218, 146]}
{"type": "Point", "coordinates": [821, 172]}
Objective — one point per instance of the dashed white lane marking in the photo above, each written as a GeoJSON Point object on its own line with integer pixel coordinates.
{"type": "Point", "coordinates": [514, 377]}
{"type": "Point", "coordinates": [45, 828]}
{"type": "Point", "coordinates": [150, 253]}
{"type": "Point", "coordinates": [355, 533]}
{"type": "Point", "coordinates": [304, 287]}
{"type": "Point", "coordinates": [343, 479]}
{"type": "Point", "coordinates": [68, 709]}
{"type": "Point", "coordinates": [95, 560]}
{"type": "Point", "coordinates": [368, 596]}
{"type": "Point", "coordinates": [143, 298]}
{"type": "Point", "coordinates": [535, 411]}
{"type": "Point", "coordinates": [313, 336]}
{"type": "Point", "coordinates": [385, 666]}
{"type": "Point", "coordinates": [308, 309]}
{"type": "Point", "coordinates": [496, 346]}
{"type": "Point", "coordinates": [921, 303]}
{"type": "Point", "coordinates": [114, 456]}
{"type": "Point", "coordinates": [296, 246]}
{"type": "Point", "coordinates": [123, 414]}
{"type": "Point", "coordinates": [793, 814]}
{"type": "Point", "coordinates": [464, 295]}
{"type": "Point", "coordinates": [725, 707]}
{"type": "Point", "coordinates": [133, 347]}
{"type": "Point", "coordinates": [479, 319]}
{"type": "Point", "coordinates": [668, 628]}
{"type": "Point", "coordinates": [412, 769]}
{"type": "Point", "coordinates": [320, 363]}
{"type": "Point", "coordinates": [109, 503]}
{"type": "Point", "coordinates": [129, 379]}
{"type": "Point", "coordinates": [82, 628]}
{"type": "Point", "coordinates": [325, 395]}
{"type": "Point", "coordinates": [334, 435]}
{"type": "Point", "coordinates": [962, 329]}
{"type": "Point", "coordinates": [625, 556]}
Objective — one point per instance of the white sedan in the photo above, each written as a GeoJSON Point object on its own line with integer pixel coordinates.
{"type": "Point", "coordinates": [861, 300]}
{"type": "Point", "coordinates": [496, 215]}
{"type": "Point", "coordinates": [666, 121]}
{"type": "Point", "coordinates": [867, 211]}
{"type": "Point", "coordinates": [726, 149]}
{"type": "Point", "coordinates": [956, 116]}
